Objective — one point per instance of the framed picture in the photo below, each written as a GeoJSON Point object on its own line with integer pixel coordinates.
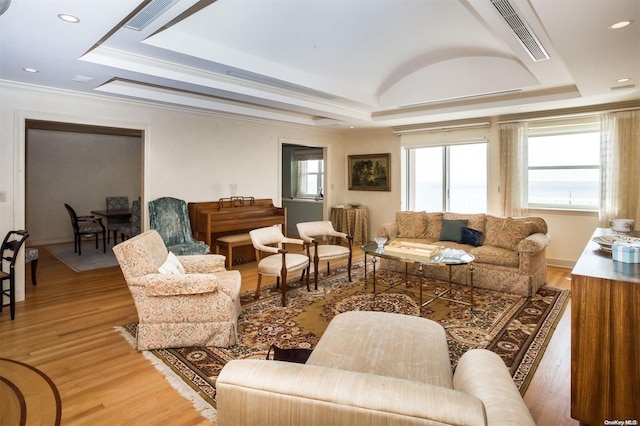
{"type": "Point", "coordinates": [371, 172]}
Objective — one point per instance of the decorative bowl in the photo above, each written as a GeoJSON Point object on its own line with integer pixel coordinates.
{"type": "Point", "coordinates": [622, 225]}
{"type": "Point", "coordinates": [380, 241]}
{"type": "Point", "coordinates": [355, 205]}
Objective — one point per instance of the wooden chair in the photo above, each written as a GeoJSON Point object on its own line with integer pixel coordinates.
{"type": "Point", "coordinates": [11, 245]}
{"type": "Point", "coordinates": [274, 260]}
{"type": "Point", "coordinates": [86, 225]}
{"type": "Point", "coordinates": [319, 234]}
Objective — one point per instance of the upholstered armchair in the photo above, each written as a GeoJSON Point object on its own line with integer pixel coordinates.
{"type": "Point", "coordinates": [169, 216]}
{"type": "Point", "coordinates": [194, 301]}
{"type": "Point", "coordinates": [318, 235]}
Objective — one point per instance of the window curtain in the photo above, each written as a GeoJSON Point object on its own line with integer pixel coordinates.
{"type": "Point", "coordinates": [513, 166]}
{"type": "Point", "coordinates": [301, 187]}
{"type": "Point", "coordinates": [619, 163]}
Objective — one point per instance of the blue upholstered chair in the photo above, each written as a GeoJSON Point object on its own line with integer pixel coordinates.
{"type": "Point", "coordinates": [134, 226]}
{"type": "Point", "coordinates": [169, 216]}
{"type": "Point", "coordinates": [115, 224]}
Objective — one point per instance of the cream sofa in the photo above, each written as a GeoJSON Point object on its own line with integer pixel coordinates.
{"type": "Point", "coordinates": [373, 368]}
{"type": "Point", "coordinates": [510, 257]}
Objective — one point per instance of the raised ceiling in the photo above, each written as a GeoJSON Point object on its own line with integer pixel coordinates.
{"type": "Point", "coordinates": [332, 63]}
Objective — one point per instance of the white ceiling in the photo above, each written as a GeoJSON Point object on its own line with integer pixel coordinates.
{"type": "Point", "coordinates": [331, 63]}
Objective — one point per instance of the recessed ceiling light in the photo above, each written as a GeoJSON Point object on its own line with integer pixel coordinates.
{"type": "Point", "coordinates": [619, 25]}
{"type": "Point", "coordinates": [623, 80]}
{"type": "Point", "coordinates": [68, 18]}
{"type": "Point", "coordinates": [30, 70]}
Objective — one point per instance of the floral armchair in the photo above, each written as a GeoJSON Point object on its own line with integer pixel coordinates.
{"type": "Point", "coordinates": [193, 303]}
{"type": "Point", "coordinates": [169, 216]}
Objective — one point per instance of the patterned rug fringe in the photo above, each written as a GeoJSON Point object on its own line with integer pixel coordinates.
{"type": "Point", "coordinates": [201, 405]}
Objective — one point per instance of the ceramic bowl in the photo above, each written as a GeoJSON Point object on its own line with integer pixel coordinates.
{"type": "Point", "coordinates": [622, 225]}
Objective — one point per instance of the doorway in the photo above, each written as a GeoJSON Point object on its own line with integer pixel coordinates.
{"type": "Point", "coordinates": [79, 165]}
{"type": "Point", "coordinates": [303, 179]}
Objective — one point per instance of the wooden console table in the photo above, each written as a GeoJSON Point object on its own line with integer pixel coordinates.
{"type": "Point", "coordinates": [605, 338]}
{"type": "Point", "coordinates": [354, 222]}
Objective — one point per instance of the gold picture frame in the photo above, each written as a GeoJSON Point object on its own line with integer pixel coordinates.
{"type": "Point", "coordinates": [369, 172]}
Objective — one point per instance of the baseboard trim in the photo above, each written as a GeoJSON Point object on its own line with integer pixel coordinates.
{"type": "Point", "coordinates": [561, 263]}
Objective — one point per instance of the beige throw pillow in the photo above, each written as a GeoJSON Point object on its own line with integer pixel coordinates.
{"type": "Point", "coordinates": [411, 224]}
{"type": "Point", "coordinates": [513, 231]}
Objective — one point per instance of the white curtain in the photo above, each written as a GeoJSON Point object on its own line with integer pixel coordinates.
{"type": "Point", "coordinates": [513, 166]}
{"type": "Point", "coordinates": [301, 190]}
{"type": "Point", "coordinates": [619, 167]}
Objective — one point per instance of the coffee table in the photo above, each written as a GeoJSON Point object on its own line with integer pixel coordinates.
{"type": "Point", "coordinates": [462, 259]}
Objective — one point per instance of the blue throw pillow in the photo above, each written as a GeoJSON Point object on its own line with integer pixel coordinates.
{"type": "Point", "coordinates": [470, 236]}
{"type": "Point", "coordinates": [451, 229]}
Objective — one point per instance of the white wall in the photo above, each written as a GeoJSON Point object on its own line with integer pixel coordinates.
{"type": "Point", "coordinates": [78, 169]}
{"type": "Point", "coordinates": [188, 154]}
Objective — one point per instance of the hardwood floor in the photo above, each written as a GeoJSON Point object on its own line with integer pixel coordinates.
{"type": "Point", "coordinates": [65, 328]}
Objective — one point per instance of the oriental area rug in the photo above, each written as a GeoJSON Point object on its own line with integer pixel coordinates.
{"type": "Point", "coordinates": [516, 328]}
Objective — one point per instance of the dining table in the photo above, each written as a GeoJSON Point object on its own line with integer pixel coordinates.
{"type": "Point", "coordinates": [114, 213]}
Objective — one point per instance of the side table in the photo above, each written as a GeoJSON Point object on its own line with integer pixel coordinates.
{"type": "Point", "coordinates": [353, 221]}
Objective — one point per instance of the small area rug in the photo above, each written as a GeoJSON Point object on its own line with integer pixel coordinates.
{"type": "Point", "coordinates": [89, 260]}
{"type": "Point", "coordinates": [516, 328]}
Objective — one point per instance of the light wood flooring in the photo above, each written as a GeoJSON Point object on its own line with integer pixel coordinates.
{"type": "Point", "coordinates": [66, 329]}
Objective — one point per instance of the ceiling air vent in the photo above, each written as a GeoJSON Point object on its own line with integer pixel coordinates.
{"type": "Point", "coordinates": [526, 36]}
{"type": "Point", "coordinates": [148, 14]}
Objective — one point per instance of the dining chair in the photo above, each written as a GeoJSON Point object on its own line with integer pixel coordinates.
{"type": "Point", "coordinates": [274, 260]}
{"type": "Point", "coordinates": [11, 245]}
{"type": "Point", "coordinates": [319, 234]}
{"type": "Point", "coordinates": [86, 225]}
{"type": "Point", "coordinates": [115, 224]}
{"type": "Point", "coordinates": [134, 226]}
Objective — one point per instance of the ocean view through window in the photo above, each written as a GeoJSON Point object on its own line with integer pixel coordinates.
{"type": "Point", "coordinates": [448, 178]}
{"type": "Point", "coordinates": [564, 171]}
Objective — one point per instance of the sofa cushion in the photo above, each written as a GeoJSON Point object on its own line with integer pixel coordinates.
{"type": "Point", "coordinates": [495, 256]}
{"type": "Point", "coordinates": [392, 345]}
{"type": "Point", "coordinates": [434, 225]}
{"type": "Point", "coordinates": [493, 228]}
{"type": "Point", "coordinates": [452, 229]}
{"type": "Point", "coordinates": [470, 236]}
{"type": "Point", "coordinates": [476, 221]}
{"type": "Point", "coordinates": [411, 224]}
{"type": "Point", "coordinates": [513, 231]}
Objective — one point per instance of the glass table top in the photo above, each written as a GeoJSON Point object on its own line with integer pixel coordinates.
{"type": "Point", "coordinates": [445, 257]}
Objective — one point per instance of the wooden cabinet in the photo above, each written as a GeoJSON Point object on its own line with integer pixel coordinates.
{"type": "Point", "coordinates": [605, 338]}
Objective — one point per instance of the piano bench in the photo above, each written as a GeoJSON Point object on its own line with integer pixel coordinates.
{"type": "Point", "coordinates": [231, 241]}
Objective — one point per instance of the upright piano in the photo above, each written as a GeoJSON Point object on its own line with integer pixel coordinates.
{"type": "Point", "coordinates": [236, 215]}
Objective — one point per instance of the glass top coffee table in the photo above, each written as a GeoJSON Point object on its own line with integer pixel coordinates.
{"type": "Point", "coordinates": [447, 257]}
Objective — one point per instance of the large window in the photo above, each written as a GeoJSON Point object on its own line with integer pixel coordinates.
{"type": "Point", "coordinates": [447, 178]}
{"type": "Point", "coordinates": [563, 170]}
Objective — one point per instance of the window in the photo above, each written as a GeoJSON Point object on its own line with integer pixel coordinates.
{"type": "Point", "coordinates": [447, 178]}
{"type": "Point", "coordinates": [310, 178]}
{"type": "Point", "coordinates": [563, 169]}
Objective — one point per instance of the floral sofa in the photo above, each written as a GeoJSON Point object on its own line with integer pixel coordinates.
{"type": "Point", "coordinates": [510, 253]}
